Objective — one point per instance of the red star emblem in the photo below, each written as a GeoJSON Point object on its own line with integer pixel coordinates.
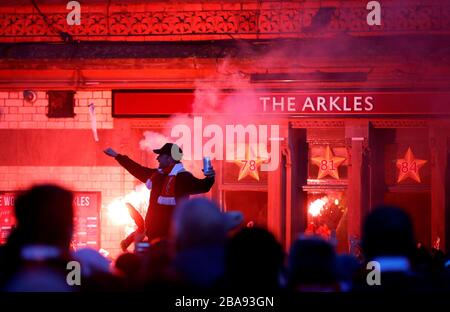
{"type": "Point", "coordinates": [249, 166]}
{"type": "Point", "coordinates": [409, 166]}
{"type": "Point", "coordinates": [328, 164]}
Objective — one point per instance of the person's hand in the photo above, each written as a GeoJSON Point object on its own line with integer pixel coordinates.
{"type": "Point", "coordinates": [209, 174]}
{"type": "Point", "coordinates": [110, 152]}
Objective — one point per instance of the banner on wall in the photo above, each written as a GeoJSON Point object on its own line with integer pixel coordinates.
{"type": "Point", "coordinates": [86, 218]}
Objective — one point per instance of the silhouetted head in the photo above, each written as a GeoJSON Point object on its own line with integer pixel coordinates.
{"type": "Point", "coordinates": [92, 262]}
{"type": "Point", "coordinates": [168, 155]}
{"type": "Point", "coordinates": [387, 231]}
{"type": "Point", "coordinates": [199, 223]}
{"type": "Point", "coordinates": [44, 216]}
{"type": "Point", "coordinates": [346, 267]}
{"type": "Point", "coordinates": [312, 261]}
{"type": "Point", "coordinates": [128, 264]}
{"type": "Point", "coordinates": [254, 259]}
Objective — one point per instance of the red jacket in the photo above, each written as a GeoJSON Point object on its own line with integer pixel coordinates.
{"type": "Point", "coordinates": [161, 203]}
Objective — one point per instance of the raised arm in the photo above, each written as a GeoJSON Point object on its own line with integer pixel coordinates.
{"type": "Point", "coordinates": [139, 172]}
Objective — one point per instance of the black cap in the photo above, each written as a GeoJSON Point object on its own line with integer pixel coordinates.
{"type": "Point", "coordinates": [170, 149]}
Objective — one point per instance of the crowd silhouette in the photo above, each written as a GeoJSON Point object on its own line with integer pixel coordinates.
{"type": "Point", "coordinates": [209, 249]}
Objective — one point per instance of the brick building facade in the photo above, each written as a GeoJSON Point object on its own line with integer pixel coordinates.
{"type": "Point", "coordinates": [177, 45]}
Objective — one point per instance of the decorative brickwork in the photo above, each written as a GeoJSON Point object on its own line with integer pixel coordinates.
{"type": "Point", "coordinates": [203, 21]}
{"type": "Point", "coordinates": [15, 113]}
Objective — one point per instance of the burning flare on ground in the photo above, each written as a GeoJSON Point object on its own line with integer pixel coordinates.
{"type": "Point", "coordinates": [117, 211]}
{"type": "Point", "coordinates": [316, 207]}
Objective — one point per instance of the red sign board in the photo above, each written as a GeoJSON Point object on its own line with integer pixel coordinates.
{"type": "Point", "coordinates": [86, 218]}
{"type": "Point", "coordinates": [158, 103]}
{"type": "Point", "coordinates": [7, 219]}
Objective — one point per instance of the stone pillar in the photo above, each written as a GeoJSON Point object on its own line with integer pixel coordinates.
{"type": "Point", "coordinates": [295, 210]}
{"type": "Point", "coordinates": [276, 186]}
{"type": "Point", "coordinates": [438, 145]}
{"type": "Point", "coordinates": [356, 134]}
